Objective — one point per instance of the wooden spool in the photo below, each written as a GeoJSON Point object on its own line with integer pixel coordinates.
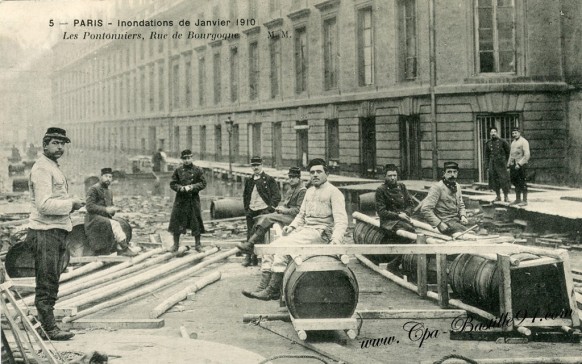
{"type": "Point", "coordinates": [475, 279]}
{"type": "Point", "coordinates": [20, 260]}
{"type": "Point", "coordinates": [365, 233]}
{"type": "Point", "coordinates": [16, 168]}
{"type": "Point", "coordinates": [367, 203]}
{"type": "Point", "coordinates": [20, 184]}
{"type": "Point", "coordinates": [320, 294]}
{"type": "Point", "coordinates": [226, 207]}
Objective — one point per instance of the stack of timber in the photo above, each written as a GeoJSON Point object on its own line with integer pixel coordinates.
{"type": "Point", "coordinates": [95, 287]}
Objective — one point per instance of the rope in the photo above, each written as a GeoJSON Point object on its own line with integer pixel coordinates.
{"type": "Point", "coordinates": [299, 356]}
{"type": "Point", "coordinates": [456, 356]}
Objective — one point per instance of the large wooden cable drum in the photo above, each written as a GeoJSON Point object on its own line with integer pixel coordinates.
{"type": "Point", "coordinates": [226, 207]}
{"type": "Point", "coordinates": [541, 289]}
{"type": "Point", "coordinates": [320, 294]}
{"type": "Point", "coordinates": [20, 259]}
{"type": "Point", "coordinates": [365, 233]}
{"type": "Point", "coordinates": [78, 243]}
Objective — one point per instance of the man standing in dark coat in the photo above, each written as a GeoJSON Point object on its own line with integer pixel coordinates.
{"type": "Point", "coordinates": [103, 231]}
{"type": "Point", "coordinates": [187, 180]}
{"type": "Point", "coordinates": [496, 155]}
{"type": "Point", "coordinates": [261, 195]}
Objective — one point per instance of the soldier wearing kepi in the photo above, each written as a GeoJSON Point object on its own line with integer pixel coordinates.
{"type": "Point", "coordinates": [187, 180]}
{"type": "Point", "coordinates": [104, 233]}
{"type": "Point", "coordinates": [444, 207]}
{"type": "Point", "coordinates": [260, 196]}
{"type": "Point", "coordinates": [50, 222]}
{"type": "Point", "coordinates": [322, 219]}
{"type": "Point", "coordinates": [496, 155]}
{"type": "Point", "coordinates": [518, 158]}
{"type": "Point", "coordinates": [284, 215]}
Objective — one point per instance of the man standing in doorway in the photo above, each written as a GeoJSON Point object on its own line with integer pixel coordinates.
{"type": "Point", "coordinates": [518, 159]}
{"type": "Point", "coordinates": [496, 156]}
{"type": "Point", "coordinates": [261, 195]}
{"type": "Point", "coordinates": [322, 219]}
{"type": "Point", "coordinates": [187, 180]}
{"type": "Point", "coordinates": [444, 207]}
{"type": "Point", "coordinates": [49, 225]}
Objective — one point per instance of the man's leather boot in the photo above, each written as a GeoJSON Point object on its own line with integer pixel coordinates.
{"type": "Point", "coordinates": [197, 245]}
{"type": "Point", "coordinates": [56, 334]}
{"type": "Point", "coordinates": [124, 250]}
{"type": "Point", "coordinates": [257, 238]}
{"type": "Point", "coordinates": [247, 261]}
{"type": "Point", "coordinates": [517, 198]}
{"type": "Point", "coordinates": [265, 279]}
{"type": "Point", "coordinates": [254, 260]}
{"type": "Point", "coordinates": [524, 200]}
{"type": "Point", "coordinates": [273, 290]}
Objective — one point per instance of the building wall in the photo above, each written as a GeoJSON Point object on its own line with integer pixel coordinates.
{"type": "Point", "coordinates": [536, 91]}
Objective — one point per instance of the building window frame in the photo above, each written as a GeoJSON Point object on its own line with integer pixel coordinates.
{"type": "Point", "coordinates": [365, 47]}
{"type": "Point", "coordinates": [330, 39]}
{"type": "Point", "coordinates": [491, 57]}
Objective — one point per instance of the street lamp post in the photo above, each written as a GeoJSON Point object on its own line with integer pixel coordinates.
{"type": "Point", "coordinates": [229, 122]}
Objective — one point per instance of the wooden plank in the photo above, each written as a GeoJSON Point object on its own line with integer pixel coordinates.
{"type": "Point", "coordinates": [448, 248]}
{"type": "Point", "coordinates": [505, 303]}
{"type": "Point", "coordinates": [325, 324]}
{"type": "Point", "coordinates": [410, 314]}
{"type": "Point", "coordinates": [570, 288]}
{"type": "Point", "coordinates": [98, 258]}
{"type": "Point", "coordinates": [120, 323]}
{"type": "Point", "coordinates": [542, 322]}
{"type": "Point", "coordinates": [421, 268]}
{"type": "Point", "coordinates": [319, 267]}
{"type": "Point", "coordinates": [442, 280]}
{"type": "Point", "coordinates": [536, 262]}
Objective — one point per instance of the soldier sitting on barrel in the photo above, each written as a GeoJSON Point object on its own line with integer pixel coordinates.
{"type": "Point", "coordinates": [283, 214]}
{"type": "Point", "coordinates": [443, 207]}
{"type": "Point", "coordinates": [322, 219]}
{"type": "Point", "coordinates": [104, 233]}
{"type": "Point", "coordinates": [394, 207]}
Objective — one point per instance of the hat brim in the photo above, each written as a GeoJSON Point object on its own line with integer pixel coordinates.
{"type": "Point", "coordinates": [58, 136]}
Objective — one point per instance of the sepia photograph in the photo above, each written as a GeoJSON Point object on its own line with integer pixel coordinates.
{"type": "Point", "coordinates": [291, 181]}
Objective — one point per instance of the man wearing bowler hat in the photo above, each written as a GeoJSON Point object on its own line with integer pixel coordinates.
{"type": "Point", "coordinates": [443, 207]}
{"type": "Point", "coordinates": [49, 224]}
{"type": "Point", "coordinates": [261, 195]}
{"type": "Point", "coordinates": [284, 215]}
{"type": "Point", "coordinates": [104, 232]}
{"type": "Point", "coordinates": [188, 180]}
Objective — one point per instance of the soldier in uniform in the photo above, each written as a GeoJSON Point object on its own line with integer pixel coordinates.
{"type": "Point", "coordinates": [518, 159]}
{"type": "Point", "coordinates": [187, 180]}
{"type": "Point", "coordinates": [496, 154]}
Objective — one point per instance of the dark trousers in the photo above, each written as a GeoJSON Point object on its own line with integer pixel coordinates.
{"type": "Point", "coordinates": [518, 178]}
{"type": "Point", "coordinates": [49, 247]}
{"type": "Point", "coordinates": [455, 226]}
{"type": "Point", "coordinates": [250, 215]}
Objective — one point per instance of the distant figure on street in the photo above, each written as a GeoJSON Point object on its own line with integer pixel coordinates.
{"type": "Point", "coordinates": [284, 215]}
{"type": "Point", "coordinates": [49, 225]}
{"type": "Point", "coordinates": [517, 164]}
{"type": "Point", "coordinates": [496, 156]}
{"type": "Point", "coordinates": [15, 155]}
{"type": "Point", "coordinates": [443, 207]}
{"type": "Point", "coordinates": [261, 195]}
{"type": "Point", "coordinates": [103, 231]}
{"type": "Point", "coordinates": [159, 161]}
{"type": "Point", "coordinates": [188, 180]}
{"type": "Point", "coordinates": [322, 219]}
{"type": "Point", "coordinates": [31, 153]}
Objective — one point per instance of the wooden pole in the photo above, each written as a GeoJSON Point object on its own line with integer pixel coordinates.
{"type": "Point", "coordinates": [505, 303]}
{"type": "Point", "coordinates": [140, 279]}
{"type": "Point", "coordinates": [180, 295]}
{"type": "Point", "coordinates": [442, 280]}
{"type": "Point", "coordinates": [421, 269]}
{"type": "Point", "coordinates": [164, 282]}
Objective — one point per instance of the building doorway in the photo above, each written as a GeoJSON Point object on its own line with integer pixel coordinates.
{"type": "Point", "coordinates": [368, 147]}
{"type": "Point", "coordinates": [301, 130]}
{"type": "Point", "coordinates": [410, 147]}
{"type": "Point", "coordinates": [504, 123]}
{"type": "Point", "coordinates": [277, 145]}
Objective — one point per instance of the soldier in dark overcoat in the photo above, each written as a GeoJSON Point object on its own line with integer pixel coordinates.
{"type": "Point", "coordinates": [187, 180]}
{"type": "Point", "coordinates": [496, 155]}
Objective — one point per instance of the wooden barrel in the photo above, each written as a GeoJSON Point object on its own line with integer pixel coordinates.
{"type": "Point", "coordinates": [226, 207]}
{"type": "Point", "coordinates": [365, 233]}
{"type": "Point", "coordinates": [20, 260]}
{"type": "Point", "coordinates": [367, 203]}
{"type": "Point", "coordinates": [320, 294]}
{"type": "Point", "coordinates": [90, 181]}
{"type": "Point", "coordinates": [16, 168]}
{"type": "Point", "coordinates": [20, 184]}
{"type": "Point", "coordinates": [78, 243]}
{"type": "Point", "coordinates": [409, 267]}
{"type": "Point", "coordinates": [475, 280]}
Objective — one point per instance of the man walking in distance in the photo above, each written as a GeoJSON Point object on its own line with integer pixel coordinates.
{"type": "Point", "coordinates": [104, 232]}
{"type": "Point", "coordinates": [322, 219]}
{"type": "Point", "coordinates": [284, 215]}
{"type": "Point", "coordinates": [394, 207]}
{"type": "Point", "coordinates": [443, 207]}
{"type": "Point", "coordinates": [518, 158]}
{"type": "Point", "coordinates": [48, 227]}
{"type": "Point", "coordinates": [496, 155]}
{"type": "Point", "coordinates": [187, 180]}
{"type": "Point", "coordinates": [260, 196]}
